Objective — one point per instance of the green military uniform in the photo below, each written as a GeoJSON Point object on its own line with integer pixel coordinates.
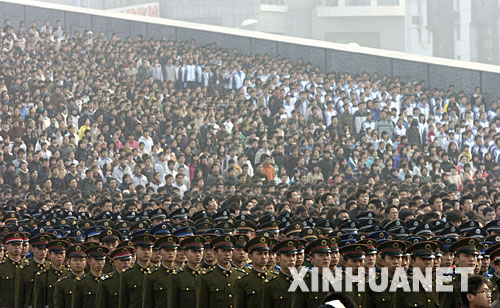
{"type": "Point", "coordinates": [493, 287]}
{"type": "Point", "coordinates": [385, 298]}
{"type": "Point", "coordinates": [355, 252]}
{"type": "Point", "coordinates": [182, 288]}
{"type": "Point", "coordinates": [108, 289]}
{"type": "Point", "coordinates": [108, 267]}
{"type": "Point", "coordinates": [109, 236]}
{"type": "Point", "coordinates": [131, 279]}
{"type": "Point", "coordinates": [275, 291]}
{"type": "Point", "coordinates": [45, 280]}
{"type": "Point", "coordinates": [420, 297]}
{"type": "Point", "coordinates": [205, 265]}
{"type": "Point", "coordinates": [43, 291]}
{"type": "Point", "coordinates": [248, 287]}
{"type": "Point", "coordinates": [84, 291]}
{"type": "Point", "coordinates": [312, 299]}
{"type": "Point", "coordinates": [215, 286]}
{"type": "Point", "coordinates": [25, 279]}
{"type": "Point", "coordinates": [63, 291]}
{"type": "Point", "coordinates": [8, 271]}
{"type": "Point", "coordinates": [154, 289]}
{"type": "Point", "coordinates": [454, 299]}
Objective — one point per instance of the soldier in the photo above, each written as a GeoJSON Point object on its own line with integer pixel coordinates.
{"type": "Point", "coordinates": [319, 255]}
{"type": "Point", "coordinates": [63, 290]}
{"type": "Point", "coordinates": [10, 267]}
{"type": "Point", "coordinates": [26, 273]}
{"type": "Point", "coordinates": [275, 290]}
{"type": "Point", "coordinates": [182, 282]}
{"type": "Point", "coordinates": [248, 287]}
{"type": "Point", "coordinates": [110, 239]}
{"type": "Point", "coordinates": [109, 285]}
{"type": "Point", "coordinates": [215, 286]}
{"type": "Point", "coordinates": [390, 257]}
{"type": "Point", "coordinates": [422, 257]}
{"type": "Point", "coordinates": [466, 251]}
{"type": "Point", "coordinates": [370, 252]}
{"type": "Point", "coordinates": [45, 280]}
{"type": "Point", "coordinates": [300, 257]}
{"type": "Point", "coordinates": [353, 257]}
{"type": "Point", "coordinates": [85, 288]}
{"type": "Point", "coordinates": [208, 252]}
{"type": "Point", "coordinates": [335, 254]}
{"type": "Point", "coordinates": [154, 289]}
{"type": "Point", "coordinates": [240, 256]}
{"type": "Point", "coordinates": [132, 278]}
{"type": "Point", "coordinates": [494, 252]}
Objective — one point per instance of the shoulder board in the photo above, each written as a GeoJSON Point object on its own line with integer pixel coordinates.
{"type": "Point", "coordinates": [104, 277]}
{"type": "Point", "coordinates": [206, 271]}
{"type": "Point", "coordinates": [240, 269]}
{"type": "Point", "coordinates": [62, 278]}
{"type": "Point", "coordinates": [41, 272]}
{"type": "Point", "coordinates": [245, 274]}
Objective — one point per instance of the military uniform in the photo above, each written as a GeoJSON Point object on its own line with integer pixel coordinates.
{"type": "Point", "coordinates": [275, 291]}
{"type": "Point", "coordinates": [84, 291]}
{"type": "Point", "coordinates": [131, 279]}
{"type": "Point", "coordinates": [312, 299]}
{"type": "Point", "coordinates": [8, 271]}
{"type": "Point", "coordinates": [154, 290]}
{"type": "Point", "coordinates": [215, 288]}
{"type": "Point", "coordinates": [63, 291]}
{"type": "Point", "coordinates": [25, 279]}
{"type": "Point", "coordinates": [45, 281]}
{"type": "Point", "coordinates": [108, 289]}
{"type": "Point", "coordinates": [182, 288]}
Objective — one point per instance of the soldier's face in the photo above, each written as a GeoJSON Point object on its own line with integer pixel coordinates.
{"type": "Point", "coordinates": [143, 254]}
{"type": "Point", "coordinates": [287, 260]}
{"type": "Point", "coordinates": [111, 245]}
{"type": "Point", "coordinates": [57, 258]}
{"type": "Point", "coordinates": [194, 256]}
{"type": "Point", "coordinates": [168, 255]}
{"type": "Point", "coordinates": [466, 260]}
{"type": "Point", "coordinates": [259, 258]}
{"type": "Point", "coordinates": [120, 265]}
{"type": "Point", "coordinates": [180, 257]}
{"type": "Point", "coordinates": [209, 255]}
{"type": "Point", "coordinates": [156, 256]}
{"type": "Point", "coordinates": [96, 265]}
{"type": "Point", "coordinates": [370, 260]}
{"type": "Point", "coordinates": [422, 263]}
{"type": "Point", "coordinates": [14, 249]}
{"type": "Point", "coordinates": [391, 263]}
{"type": "Point", "coordinates": [354, 264]}
{"type": "Point", "coordinates": [299, 259]}
{"type": "Point", "coordinates": [39, 253]}
{"type": "Point", "coordinates": [447, 259]}
{"type": "Point", "coordinates": [334, 258]}
{"type": "Point", "coordinates": [240, 255]}
{"type": "Point", "coordinates": [320, 259]}
{"type": "Point", "coordinates": [223, 256]}
{"type": "Point", "coordinates": [77, 265]}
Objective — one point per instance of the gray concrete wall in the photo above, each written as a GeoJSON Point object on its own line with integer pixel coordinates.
{"type": "Point", "coordinates": [436, 72]}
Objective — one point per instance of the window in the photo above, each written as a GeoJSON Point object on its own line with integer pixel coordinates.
{"type": "Point", "coordinates": [357, 2]}
{"type": "Point", "coordinates": [273, 2]}
{"type": "Point", "coordinates": [327, 3]}
{"type": "Point", "coordinates": [387, 2]}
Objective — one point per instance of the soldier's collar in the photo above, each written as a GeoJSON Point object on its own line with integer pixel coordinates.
{"type": "Point", "coordinates": [193, 269]}
{"type": "Point", "coordinates": [166, 267]}
{"type": "Point", "coordinates": [223, 268]}
{"type": "Point", "coordinates": [14, 261]}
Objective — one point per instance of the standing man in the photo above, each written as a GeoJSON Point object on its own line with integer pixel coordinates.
{"type": "Point", "coordinates": [216, 286]}
{"type": "Point", "coordinates": [63, 290]}
{"type": "Point", "coordinates": [10, 267]}
{"type": "Point", "coordinates": [182, 284]}
{"type": "Point", "coordinates": [84, 289]}
{"type": "Point", "coordinates": [109, 286]}
{"type": "Point", "coordinates": [319, 255]}
{"type": "Point", "coordinates": [45, 280]}
{"type": "Point", "coordinates": [275, 289]}
{"type": "Point", "coordinates": [248, 287]}
{"type": "Point", "coordinates": [353, 257]}
{"type": "Point", "coordinates": [26, 273]}
{"type": "Point", "coordinates": [422, 258]}
{"type": "Point", "coordinates": [132, 278]}
{"type": "Point", "coordinates": [154, 290]}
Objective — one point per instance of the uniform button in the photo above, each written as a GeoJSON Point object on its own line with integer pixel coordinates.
{"type": "Point", "coordinates": [228, 284]}
{"type": "Point", "coordinates": [359, 295]}
{"type": "Point", "coordinates": [187, 289]}
{"type": "Point", "coordinates": [429, 300]}
{"type": "Point", "coordinates": [216, 289]}
{"type": "Point", "coordinates": [230, 295]}
{"type": "Point", "coordinates": [281, 297]}
{"type": "Point", "coordinates": [253, 292]}
{"type": "Point", "coordinates": [135, 286]}
{"type": "Point", "coordinates": [383, 299]}
{"type": "Point", "coordinates": [70, 292]}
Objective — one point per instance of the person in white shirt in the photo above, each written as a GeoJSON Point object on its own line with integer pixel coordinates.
{"type": "Point", "coordinates": [190, 74]}
{"type": "Point", "coordinates": [147, 140]}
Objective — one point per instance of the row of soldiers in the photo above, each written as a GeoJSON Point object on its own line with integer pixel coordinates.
{"type": "Point", "coordinates": [188, 270]}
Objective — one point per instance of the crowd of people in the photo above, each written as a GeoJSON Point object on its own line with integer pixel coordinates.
{"type": "Point", "coordinates": [139, 136]}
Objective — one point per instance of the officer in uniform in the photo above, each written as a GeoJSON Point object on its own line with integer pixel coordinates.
{"type": "Point", "coordinates": [275, 289]}
{"type": "Point", "coordinates": [216, 286]}
{"type": "Point", "coordinates": [26, 273]}
{"type": "Point", "coordinates": [319, 255]}
{"type": "Point", "coordinates": [422, 258]}
{"type": "Point", "coordinates": [109, 285]}
{"type": "Point", "coordinates": [132, 278]}
{"type": "Point", "coordinates": [45, 280]}
{"type": "Point", "coordinates": [154, 290]}
{"type": "Point", "coordinates": [182, 282]}
{"type": "Point", "coordinates": [208, 252]}
{"type": "Point", "coordinates": [85, 288]}
{"type": "Point", "coordinates": [353, 257]}
{"type": "Point", "coordinates": [63, 290]}
{"type": "Point", "coordinates": [110, 239]}
{"type": "Point", "coordinates": [10, 267]}
{"type": "Point", "coordinates": [391, 253]}
{"type": "Point", "coordinates": [240, 256]}
{"type": "Point", "coordinates": [466, 251]}
{"type": "Point", "coordinates": [248, 287]}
